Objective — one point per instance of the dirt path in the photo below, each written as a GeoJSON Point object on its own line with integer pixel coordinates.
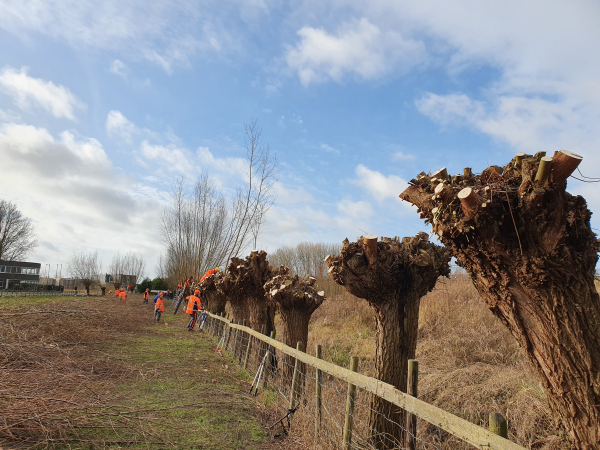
{"type": "Point", "coordinates": [97, 373]}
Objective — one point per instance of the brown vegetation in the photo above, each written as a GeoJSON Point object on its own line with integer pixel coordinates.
{"type": "Point", "coordinates": [77, 374]}
{"type": "Point", "coordinates": [469, 363]}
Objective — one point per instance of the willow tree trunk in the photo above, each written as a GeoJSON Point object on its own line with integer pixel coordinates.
{"type": "Point", "coordinates": [239, 309]}
{"type": "Point", "coordinates": [297, 298]}
{"type": "Point", "coordinates": [396, 337]}
{"type": "Point", "coordinates": [261, 313]}
{"type": "Point", "coordinates": [295, 329]}
{"type": "Point", "coordinates": [392, 276]}
{"type": "Point", "coordinates": [216, 303]}
{"type": "Point", "coordinates": [531, 254]}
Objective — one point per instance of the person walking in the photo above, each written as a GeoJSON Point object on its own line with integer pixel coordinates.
{"type": "Point", "coordinates": [146, 295]}
{"type": "Point", "coordinates": [159, 307]}
{"type": "Point", "coordinates": [194, 305]}
{"type": "Point", "coordinates": [123, 294]}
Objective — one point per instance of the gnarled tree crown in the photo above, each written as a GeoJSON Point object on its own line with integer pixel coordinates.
{"type": "Point", "coordinates": [294, 292]}
{"type": "Point", "coordinates": [526, 220]}
{"type": "Point", "coordinates": [395, 267]}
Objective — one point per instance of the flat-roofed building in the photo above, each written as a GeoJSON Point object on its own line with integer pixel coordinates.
{"type": "Point", "coordinates": [19, 275]}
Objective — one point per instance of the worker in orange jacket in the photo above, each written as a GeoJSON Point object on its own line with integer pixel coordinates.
{"type": "Point", "coordinates": [159, 307]}
{"type": "Point", "coordinates": [110, 292]}
{"type": "Point", "coordinates": [194, 305]}
{"type": "Point", "coordinates": [146, 295]}
{"type": "Point", "coordinates": [123, 295]}
{"type": "Point", "coordinates": [209, 273]}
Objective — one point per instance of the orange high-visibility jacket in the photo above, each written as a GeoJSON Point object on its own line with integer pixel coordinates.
{"type": "Point", "coordinates": [117, 292]}
{"type": "Point", "coordinates": [110, 292]}
{"type": "Point", "coordinates": [123, 295]}
{"type": "Point", "coordinates": [208, 274]}
{"type": "Point", "coordinates": [160, 305]}
{"type": "Point", "coordinates": [146, 293]}
{"type": "Point", "coordinates": [190, 306]}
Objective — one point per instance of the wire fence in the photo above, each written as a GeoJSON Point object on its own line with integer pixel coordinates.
{"type": "Point", "coordinates": [329, 407]}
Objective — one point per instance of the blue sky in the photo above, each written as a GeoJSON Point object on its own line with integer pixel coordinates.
{"type": "Point", "coordinates": [103, 104]}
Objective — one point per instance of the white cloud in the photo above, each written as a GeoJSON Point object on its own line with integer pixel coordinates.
{"type": "Point", "coordinates": [379, 186]}
{"type": "Point", "coordinates": [358, 47]}
{"type": "Point", "coordinates": [453, 109]}
{"type": "Point", "coordinates": [28, 92]}
{"type": "Point", "coordinates": [118, 68]}
{"type": "Point", "coordinates": [401, 156]}
{"type": "Point", "coordinates": [329, 149]}
{"type": "Point", "coordinates": [118, 125]}
{"type": "Point", "coordinates": [75, 196]}
{"type": "Point", "coordinates": [355, 210]}
{"type": "Point", "coordinates": [169, 158]}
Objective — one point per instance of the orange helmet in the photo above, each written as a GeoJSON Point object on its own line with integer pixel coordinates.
{"type": "Point", "coordinates": [196, 292]}
{"type": "Point", "coordinates": [161, 294]}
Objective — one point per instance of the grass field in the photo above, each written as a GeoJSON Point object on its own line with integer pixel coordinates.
{"type": "Point", "coordinates": [97, 373]}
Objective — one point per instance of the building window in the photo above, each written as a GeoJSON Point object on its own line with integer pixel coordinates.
{"type": "Point", "coordinates": [2, 269]}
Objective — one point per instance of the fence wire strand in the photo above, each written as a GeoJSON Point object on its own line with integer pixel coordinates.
{"type": "Point", "coordinates": [274, 381]}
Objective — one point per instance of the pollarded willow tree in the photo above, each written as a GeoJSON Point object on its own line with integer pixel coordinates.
{"type": "Point", "coordinates": [229, 287]}
{"type": "Point", "coordinates": [392, 276]}
{"type": "Point", "coordinates": [242, 285]}
{"type": "Point", "coordinates": [216, 301]}
{"type": "Point", "coordinates": [528, 247]}
{"type": "Point", "coordinates": [297, 298]}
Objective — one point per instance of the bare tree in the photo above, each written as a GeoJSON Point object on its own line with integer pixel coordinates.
{"type": "Point", "coordinates": [204, 228]}
{"type": "Point", "coordinates": [127, 269]}
{"type": "Point", "coordinates": [85, 267]}
{"type": "Point", "coordinates": [308, 258]}
{"type": "Point", "coordinates": [17, 235]}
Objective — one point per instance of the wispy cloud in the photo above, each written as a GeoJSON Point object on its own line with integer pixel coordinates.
{"type": "Point", "coordinates": [330, 149]}
{"type": "Point", "coordinates": [118, 68]}
{"type": "Point", "coordinates": [28, 92]}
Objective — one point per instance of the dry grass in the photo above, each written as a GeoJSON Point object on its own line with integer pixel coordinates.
{"type": "Point", "coordinates": [469, 363]}
{"type": "Point", "coordinates": [97, 373]}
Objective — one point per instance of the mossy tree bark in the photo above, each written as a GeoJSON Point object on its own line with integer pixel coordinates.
{"type": "Point", "coordinates": [297, 298]}
{"type": "Point", "coordinates": [392, 276]}
{"type": "Point", "coordinates": [531, 254]}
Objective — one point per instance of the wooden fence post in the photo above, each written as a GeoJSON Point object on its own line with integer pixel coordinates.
{"type": "Point", "coordinates": [498, 425]}
{"type": "Point", "coordinates": [299, 347]}
{"type": "Point", "coordinates": [270, 362]}
{"type": "Point", "coordinates": [318, 400]}
{"type": "Point", "coordinates": [228, 338]}
{"type": "Point", "coordinates": [347, 436]}
{"type": "Point", "coordinates": [411, 419]}
{"type": "Point", "coordinates": [261, 345]}
{"type": "Point", "coordinates": [250, 337]}
{"type": "Point", "coordinates": [241, 342]}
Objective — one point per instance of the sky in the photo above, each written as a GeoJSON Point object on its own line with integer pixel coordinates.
{"type": "Point", "coordinates": [104, 104]}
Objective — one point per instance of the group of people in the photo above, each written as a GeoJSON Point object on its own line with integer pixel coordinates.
{"type": "Point", "coordinates": [122, 293]}
{"type": "Point", "coordinates": [194, 301]}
